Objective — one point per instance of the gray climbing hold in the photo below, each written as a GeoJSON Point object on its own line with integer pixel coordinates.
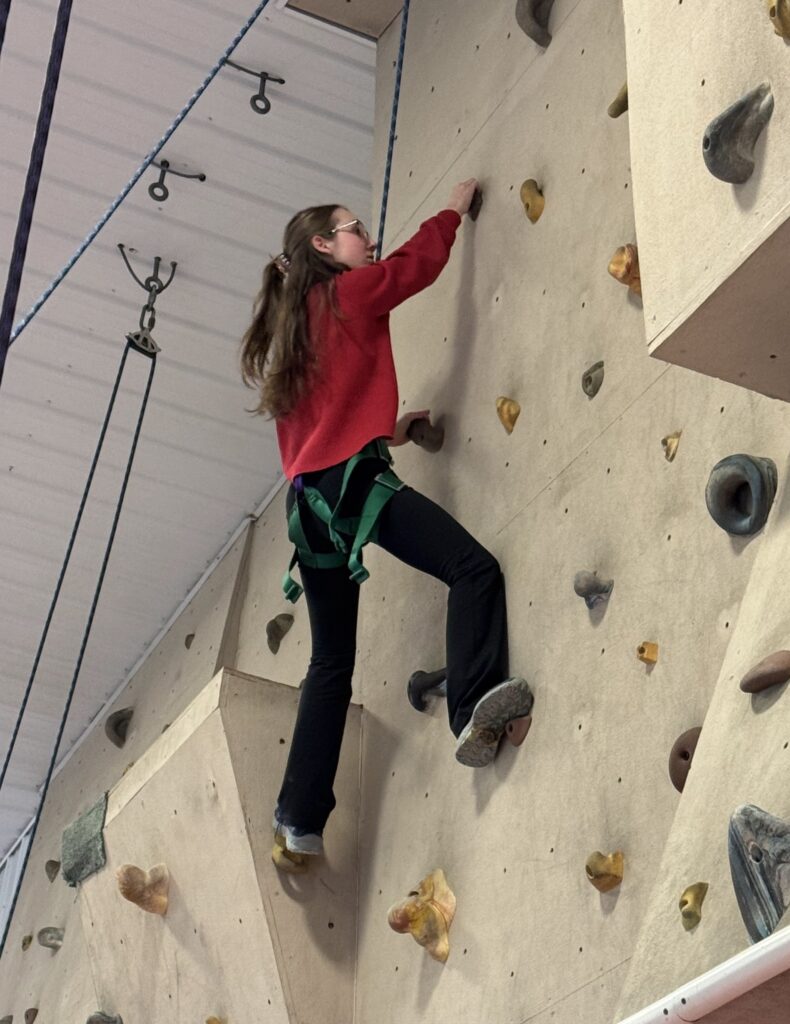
{"type": "Point", "coordinates": [276, 629]}
{"type": "Point", "coordinates": [759, 848]}
{"type": "Point", "coordinates": [681, 755]}
{"type": "Point", "coordinates": [116, 726]}
{"type": "Point", "coordinates": [104, 1018]}
{"type": "Point", "coordinates": [740, 492]}
{"type": "Point", "coordinates": [52, 938]}
{"type": "Point", "coordinates": [771, 671]}
{"type": "Point", "coordinates": [51, 868]}
{"type": "Point", "coordinates": [82, 846]}
{"type": "Point", "coordinates": [594, 591]}
{"type": "Point", "coordinates": [423, 433]}
{"type": "Point", "coordinates": [31, 1014]}
{"type": "Point", "coordinates": [592, 380]}
{"type": "Point", "coordinates": [533, 18]}
{"type": "Point", "coordinates": [426, 684]}
{"type": "Point", "coordinates": [729, 140]}
{"type": "Point", "coordinates": [476, 205]}
{"type": "Point", "coordinates": [7, 1019]}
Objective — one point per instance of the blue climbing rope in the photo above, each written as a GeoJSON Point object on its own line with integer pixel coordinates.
{"type": "Point", "coordinates": [393, 123]}
{"type": "Point", "coordinates": [33, 177]}
{"type": "Point", "coordinates": [91, 614]}
{"type": "Point", "coordinates": [5, 343]}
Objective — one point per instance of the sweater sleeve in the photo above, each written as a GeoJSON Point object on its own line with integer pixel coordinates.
{"type": "Point", "coordinates": [378, 288]}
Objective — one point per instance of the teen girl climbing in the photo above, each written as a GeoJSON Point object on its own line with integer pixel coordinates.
{"type": "Point", "coordinates": [319, 351]}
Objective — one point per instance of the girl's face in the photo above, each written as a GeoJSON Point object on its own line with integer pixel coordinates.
{"type": "Point", "coordinates": [348, 243]}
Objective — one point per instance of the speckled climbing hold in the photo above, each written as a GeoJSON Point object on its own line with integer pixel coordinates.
{"type": "Point", "coordinates": [104, 1018]}
{"type": "Point", "coordinates": [426, 684]}
{"type": "Point", "coordinates": [425, 434]}
{"type": "Point", "coordinates": [691, 904]}
{"type": "Point", "coordinates": [771, 671]}
{"type": "Point", "coordinates": [533, 18]}
{"type": "Point", "coordinates": [147, 889]}
{"type": "Point", "coordinates": [605, 871]}
{"type": "Point", "coordinates": [670, 445]}
{"type": "Point", "coordinates": [52, 867]}
{"type": "Point", "coordinates": [624, 267]}
{"type": "Point", "coordinates": [759, 849]}
{"type": "Point", "coordinates": [681, 755]}
{"type": "Point", "coordinates": [26, 942]}
{"type": "Point", "coordinates": [476, 205]}
{"type": "Point", "coordinates": [619, 104]}
{"type": "Point", "coordinates": [427, 914]}
{"type": "Point", "coordinates": [116, 726]}
{"type": "Point", "coordinates": [508, 411]}
{"type": "Point", "coordinates": [647, 652]}
{"type": "Point", "coordinates": [532, 199]}
{"type": "Point", "coordinates": [52, 938]}
{"type": "Point", "coordinates": [592, 379]}
{"type": "Point", "coordinates": [779, 13]}
{"type": "Point", "coordinates": [740, 493]}
{"type": "Point", "coordinates": [31, 1014]}
{"type": "Point", "coordinates": [595, 591]}
{"type": "Point", "coordinates": [276, 629]}
{"type": "Point", "coordinates": [729, 140]}
{"type": "Point", "coordinates": [285, 859]}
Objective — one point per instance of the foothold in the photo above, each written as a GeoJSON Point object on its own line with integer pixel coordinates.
{"type": "Point", "coordinates": [594, 590]}
{"type": "Point", "coordinates": [31, 1014]}
{"type": "Point", "coordinates": [52, 867]}
{"type": "Point", "coordinates": [771, 671]}
{"type": "Point", "coordinates": [26, 942]}
{"type": "Point", "coordinates": [691, 904]}
{"type": "Point", "coordinates": [426, 684]}
{"type": "Point", "coordinates": [427, 914]}
{"type": "Point", "coordinates": [681, 755]}
{"type": "Point", "coordinates": [423, 433]}
{"type": "Point", "coordinates": [117, 725]}
{"type": "Point", "coordinates": [592, 379]}
{"type": "Point", "coordinates": [533, 18]}
{"type": "Point", "coordinates": [740, 492]}
{"type": "Point", "coordinates": [729, 140]}
{"type": "Point", "coordinates": [188, 640]}
{"type": "Point", "coordinates": [532, 198]}
{"type": "Point", "coordinates": [619, 104]}
{"type": "Point", "coordinates": [759, 848]}
{"type": "Point", "coordinates": [147, 889]}
{"type": "Point", "coordinates": [670, 445]}
{"type": "Point", "coordinates": [624, 267]}
{"type": "Point", "coordinates": [647, 652]}
{"type": "Point", "coordinates": [516, 730]}
{"type": "Point", "coordinates": [52, 938]}
{"type": "Point", "coordinates": [508, 411]}
{"type": "Point", "coordinates": [779, 13]}
{"type": "Point", "coordinates": [605, 871]}
{"type": "Point", "coordinates": [276, 629]}
{"type": "Point", "coordinates": [104, 1018]}
{"type": "Point", "coordinates": [476, 205]}
{"type": "Point", "coordinates": [285, 859]}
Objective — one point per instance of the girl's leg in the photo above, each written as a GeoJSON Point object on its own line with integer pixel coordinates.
{"type": "Point", "coordinates": [420, 533]}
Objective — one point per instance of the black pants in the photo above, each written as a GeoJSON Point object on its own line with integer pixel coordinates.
{"type": "Point", "coordinates": [423, 535]}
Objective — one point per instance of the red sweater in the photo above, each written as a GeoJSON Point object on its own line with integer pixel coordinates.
{"type": "Point", "coordinates": [355, 397]}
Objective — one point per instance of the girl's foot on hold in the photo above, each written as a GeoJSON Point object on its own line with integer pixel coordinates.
{"type": "Point", "coordinates": [291, 851]}
{"type": "Point", "coordinates": [284, 860]}
{"type": "Point", "coordinates": [477, 745]}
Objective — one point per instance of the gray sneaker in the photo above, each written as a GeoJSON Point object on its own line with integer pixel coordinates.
{"type": "Point", "coordinates": [478, 742]}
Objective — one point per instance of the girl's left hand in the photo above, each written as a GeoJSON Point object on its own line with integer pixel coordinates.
{"type": "Point", "coordinates": [403, 424]}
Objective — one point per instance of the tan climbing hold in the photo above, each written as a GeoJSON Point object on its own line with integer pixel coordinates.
{"type": "Point", "coordinates": [779, 13]}
{"type": "Point", "coordinates": [691, 904]}
{"type": "Point", "coordinates": [647, 652]}
{"type": "Point", "coordinates": [508, 411]}
{"type": "Point", "coordinates": [670, 445]}
{"type": "Point", "coordinates": [605, 871]}
{"type": "Point", "coordinates": [533, 200]}
{"type": "Point", "coordinates": [624, 267]}
{"type": "Point", "coordinates": [427, 914]}
{"type": "Point", "coordinates": [216, 1020]}
{"type": "Point", "coordinates": [285, 860]}
{"type": "Point", "coordinates": [146, 889]}
{"type": "Point", "coordinates": [771, 671]}
{"type": "Point", "coordinates": [619, 104]}
{"type": "Point", "coordinates": [27, 941]}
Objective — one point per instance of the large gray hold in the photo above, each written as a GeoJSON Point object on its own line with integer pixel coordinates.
{"type": "Point", "coordinates": [729, 140]}
{"type": "Point", "coordinates": [594, 591]}
{"type": "Point", "coordinates": [116, 726]}
{"type": "Point", "coordinates": [52, 938]}
{"type": "Point", "coordinates": [759, 848]}
{"type": "Point", "coordinates": [740, 492]}
{"type": "Point", "coordinates": [533, 18]}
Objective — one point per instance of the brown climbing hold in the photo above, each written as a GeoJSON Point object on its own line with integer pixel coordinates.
{"type": "Point", "coordinates": [476, 205]}
{"type": "Point", "coordinates": [619, 104]}
{"type": "Point", "coordinates": [427, 914]}
{"type": "Point", "coordinates": [605, 871]}
{"type": "Point", "coordinates": [26, 942]}
{"type": "Point", "coordinates": [285, 859]}
{"type": "Point", "coordinates": [516, 730]}
{"type": "Point", "coordinates": [146, 889]}
{"type": "Point", "coordinates": [216, 1020]}
{"type": "Point", "coordinates": [508, 411]}
{"type": "Point", "coordinates": [681, 755]}
{"type": "Point", "coordinates": [779, 13]}
{"type": "Point", "coordinates": [647, 652]}
{"type": "Point", "coordinates": [52, 867]}
{"type": "Point", "coordinates": [771, 671]}
{"type": "Point", "coordinates": [188, 640]}
{"type": "Point", "coordinates": [117, 725]}
{"type": "Point", "coordinates": [423, 433]}
{"type": "Point", "coordinates": [532, 198]}
{"type": "Point", "coordinates": [276, 629]}
{"type": "Point", "coordinates": [624, 267]}
{"type": "Point", "coordinates": [533, 19]}
{"type": "Point", "coordinates": [691, 904]}
{"type": "Point", "coordinates": [670, 445]}
{"type": "Point", "coordinates": [31, 1014]}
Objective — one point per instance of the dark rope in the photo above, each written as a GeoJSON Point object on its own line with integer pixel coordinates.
{"type": "Point", "coordinates": [5, 7]}
{"type": "Point", "coordinates": [33, 177]}
{"type": "Point", "coordinates": [393, 123]}
{"type": "Point", "coordinates": [86, 634]}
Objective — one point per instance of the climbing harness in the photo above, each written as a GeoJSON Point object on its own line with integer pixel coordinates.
{"type": "Point", "coordinates": [358, 529]}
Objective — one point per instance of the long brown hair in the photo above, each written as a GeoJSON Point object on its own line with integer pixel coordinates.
{"type": "Point", "coordinates": [276, 354]}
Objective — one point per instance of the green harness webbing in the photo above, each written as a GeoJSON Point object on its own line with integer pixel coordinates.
{"type": "Point", "coordinates": [362, 528]}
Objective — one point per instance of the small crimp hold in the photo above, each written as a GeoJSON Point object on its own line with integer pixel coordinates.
{"type": "Point", "coordinates": [624, 267]}
{"type": "Point", "coordinates": [533, 18]}
{"type": "Point", "coordinates": [276, 629]}
{"type": "Point", "coordinates": [729, 140]}
{"type": "Point", "coordinates": [647, 652]}
{"type": "Point", "coordinates": [670, 445]}
{"type": "Point", "coordinates": [592, 379]}
{"type": "Point", "coordinates": [427, 914]}
{"type": "Point", "coordinates": [771, 671]}
{"type": "Point", "coordinates": [26, 942]}
{"type": "Point", "coordinates": [779, 13]}
{"type": "Point", "coordinates": [508, 411]}
{"type": "Point", "coordinates": [532, 199]}
{"type": "Point", "coordinates": [52, 867]}
{"type": "Point", "coordinates": [681, 755]}
{"type": "Point", "coordinates": [147, 889]}
{"type": "Point", "coordinates": [691, 904]}
{"type": "Point", "coordinates": [476, 204]}
{"type": "Point", "coordinates": [595, 591]}
{"type": "Point", "coordinates": [605, 871]}
{"type": "Point", "coordinates": [619, 104]}
{"type": "Point", "coordinates": [116, 726]}
{"type": "Point", "coordinates": [425, 434]}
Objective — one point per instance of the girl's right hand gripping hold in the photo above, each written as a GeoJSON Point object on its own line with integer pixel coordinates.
{"type": "Point", "coordinates": [461, 196]}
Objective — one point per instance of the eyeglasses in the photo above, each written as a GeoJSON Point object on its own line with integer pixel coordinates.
{"type": "Point", "coordinates": [355, 227]}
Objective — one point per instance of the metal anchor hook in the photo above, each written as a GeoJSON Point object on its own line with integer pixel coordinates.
{"type": "Point", "coordinates": [260, 103]}
{"type": "Point", "coordinates": [143, 339]}
{"type": "Point", "coordinates": [157, 190]}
